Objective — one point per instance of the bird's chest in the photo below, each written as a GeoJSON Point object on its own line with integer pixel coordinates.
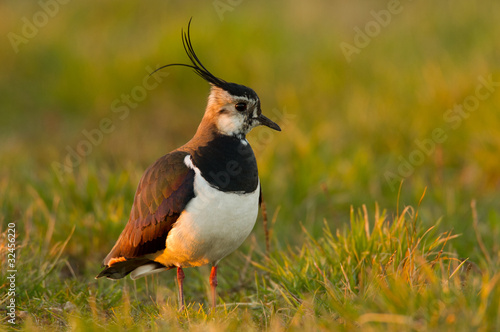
{"type": "Point", "coordinates": [213, 225]}
{"type": "Point", "coordinates": [228, 164]}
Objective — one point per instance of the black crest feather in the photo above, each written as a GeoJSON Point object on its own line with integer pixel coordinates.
{"type": "Point", "coordinates": [199, 68]}
{"type": "Point", "coordinates": [196, 65]}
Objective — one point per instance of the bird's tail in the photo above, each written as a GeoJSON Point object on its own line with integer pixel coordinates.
{"type": "Point", "coordinates": [139, 267]}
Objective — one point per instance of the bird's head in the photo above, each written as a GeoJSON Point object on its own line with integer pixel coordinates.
{"type": "Point", "coordinates": [233, 108]}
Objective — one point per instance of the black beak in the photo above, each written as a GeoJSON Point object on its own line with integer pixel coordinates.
{"type": "Point", "coordinates": [264, 120]}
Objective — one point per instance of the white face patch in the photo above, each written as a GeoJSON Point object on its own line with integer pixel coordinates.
{"type": "Point", "coordinates": [230, 124]}
{"type": "Point", "coordinates": [254, 115]}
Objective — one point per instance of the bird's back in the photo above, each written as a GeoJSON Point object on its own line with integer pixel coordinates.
{"type": "Point", "coordinates": [163, 192]}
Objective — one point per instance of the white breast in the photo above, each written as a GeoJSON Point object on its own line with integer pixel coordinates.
{"type": "Point", "coordinates": [213, 225]}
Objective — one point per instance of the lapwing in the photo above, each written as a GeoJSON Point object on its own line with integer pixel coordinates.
{"type": "Point", "coordinates": [198, 203]}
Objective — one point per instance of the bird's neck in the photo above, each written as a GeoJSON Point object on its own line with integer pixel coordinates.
{"type": "Point", "coordinates": [207, 131]}
{"type": "Point", "coordinates": [227, 162]}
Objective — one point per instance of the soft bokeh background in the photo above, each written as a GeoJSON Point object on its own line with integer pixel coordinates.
{"type": "Point", "coordinates": [346, 124]}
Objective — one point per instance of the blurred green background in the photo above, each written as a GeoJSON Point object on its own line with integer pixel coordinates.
{"type": "Point", "coordinates": [347, 125]}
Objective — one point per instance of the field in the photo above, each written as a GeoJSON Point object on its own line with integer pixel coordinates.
{"type": "Point", "coordinates": [382, 190]}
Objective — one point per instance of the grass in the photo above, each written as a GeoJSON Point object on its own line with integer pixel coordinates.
{"type": "Point", "coordinates": [349, 249]}
{"type": "Point", "coordinates": [373, 273]}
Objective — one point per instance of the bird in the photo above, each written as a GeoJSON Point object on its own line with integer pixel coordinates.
{"type": "Point", "coordinates": [198, 203]}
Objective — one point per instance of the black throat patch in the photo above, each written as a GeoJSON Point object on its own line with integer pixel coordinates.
{"type": "Point", "coordinates": [227, 164]}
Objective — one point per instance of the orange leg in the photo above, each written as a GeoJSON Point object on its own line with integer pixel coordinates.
{"type": "Point", "coordinates": [213, 284]}
{"type": "Point", "coordinates": [180, 279]}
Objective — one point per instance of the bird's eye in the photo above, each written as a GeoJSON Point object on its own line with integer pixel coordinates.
{"type": "Point", "coordinates": [241, 107]}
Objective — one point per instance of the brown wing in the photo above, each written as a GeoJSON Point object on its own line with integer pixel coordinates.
{"type": "Point", "coordinates": [163, 192]}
